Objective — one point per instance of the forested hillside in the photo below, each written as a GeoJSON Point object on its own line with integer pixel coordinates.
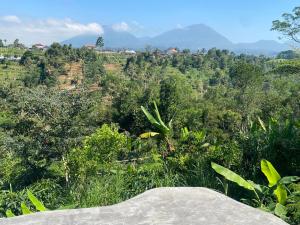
{"type": "Point", "coordinates": [77, 142]}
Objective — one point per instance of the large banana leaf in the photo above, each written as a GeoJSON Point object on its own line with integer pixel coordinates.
{"type": "Point", "coordinates": [149, 116]}
{"type": "Point", "coordinates": [37, 204]}
{"type": "Point", "coordinates": [25, 209]}
{"type": "Point", "coordinates": [280, 211]}
{"type": "Point", "coordinates": [262, 124]}
{"type": "Point", "coordinates": [270, 172]}
{"type": "Point", "coordinates": [158, 114]}
{"type": "Point", "coordinates": [281, 194]}
{"type": "Point", "coordinates": [9, 213]}
{"type": "Point", "coordinates": [162, 124]}
{"type": "Point", "coordinates": [289, 180]}
{"type": "Point", "coordinates": [157, 122]}
{"type": "Point", "coordinates": [230, 175]}
{"type": "Point", "coordinates": [274, 179]}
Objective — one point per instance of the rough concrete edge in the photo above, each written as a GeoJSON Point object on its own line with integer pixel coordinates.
{"type": "Point", "coordinates": [144, 194]}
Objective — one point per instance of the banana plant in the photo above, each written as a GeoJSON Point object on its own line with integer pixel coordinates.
{"type": "Point", "coordinates": [233, 177]}
{"type": "Point", "coordinates": [162, 130]}
{"type": "Point", "coordinates": [274, 180]}
{"type": "Point", "coordinates": [39, 206]}
{"type": "Point", "coordinates": [276, 183]}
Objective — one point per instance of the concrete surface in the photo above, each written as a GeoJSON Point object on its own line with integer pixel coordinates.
{"type": "Point", "coordinates": [163, 206]}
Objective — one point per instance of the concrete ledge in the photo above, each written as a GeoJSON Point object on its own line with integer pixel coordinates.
{"type": "Point", "coordinates": [162, 206]}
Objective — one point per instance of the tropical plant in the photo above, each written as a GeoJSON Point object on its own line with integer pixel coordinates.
{"type": "Point", "coordinates": [38, 205]}
{"type": "Point", "coordinates": [163, 131]}
{"type": "Point", "coordinates": [232, 176]}
{"type": "Point", "coordinates": [278, 186]}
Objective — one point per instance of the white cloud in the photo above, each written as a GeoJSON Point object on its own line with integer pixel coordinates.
{"type": "Point", "coordinates": [179, 26]}
{"type": "Point", "coordinates": [137, 25]}
{"type": "Point", "coordinates": [45, 30]}
{"type": "Point", "coordinates": [11, 19]}
{"type": "Point", "coordinates": [133, 27]}
{"type": "Point", "coordinates": [83, 28]}
{"type": "Point", "coordinates": [123, 26]}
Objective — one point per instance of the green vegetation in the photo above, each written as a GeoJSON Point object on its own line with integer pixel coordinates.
{"type": "Point", "coordinates": [289, 26]}
{"type": "Point", "coordinates": [39, 206]}
{"type": "Point", "coordinates": [278, 187]}
{"type": "Point", "coordinates": [5, 51]}
{"type": "Point", "coordinates": [80, 128]}
{"type": "Point", "coordinates": [100, 42]}
{"type": "Point", "coordinates": [100, 139]}
{"type": "Point", "coordinates": [11, 70]}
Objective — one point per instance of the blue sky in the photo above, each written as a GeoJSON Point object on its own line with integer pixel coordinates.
{"type": "Point", "coordinates": [56, 20]}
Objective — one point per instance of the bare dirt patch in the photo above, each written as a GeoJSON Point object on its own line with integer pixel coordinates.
{"type": "Point", "coordinates": [112, 67]}
{"type": "Point", "coordinates": [72, 77]}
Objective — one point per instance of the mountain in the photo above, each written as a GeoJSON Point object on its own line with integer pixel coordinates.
{"type": "Point", "coordinates": [192, 37]}
{"type": "Point", "coordinates": [268, 47]}
{"type": "Point", "coordinates": [113, 39]}
{"type": "Point", "coordinates": [81, 40]}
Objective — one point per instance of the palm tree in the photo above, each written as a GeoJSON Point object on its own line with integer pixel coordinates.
{"type": "Point", "coordinates": [163, 131]}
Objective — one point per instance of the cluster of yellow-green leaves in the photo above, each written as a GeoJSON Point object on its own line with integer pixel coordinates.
{"type": "Point", "coordinates": [276, 183]}
{"type": "Point", "coordinates": [39, 206]}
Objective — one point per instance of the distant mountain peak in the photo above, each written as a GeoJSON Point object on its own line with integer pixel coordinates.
{"type": "Point", "coordinates": [198, 26]}
{"type": "Point", "coordinates": [193, 37]}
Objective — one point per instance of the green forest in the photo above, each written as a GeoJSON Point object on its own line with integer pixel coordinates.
{"type": "Point", "coordinates": [83, 128]}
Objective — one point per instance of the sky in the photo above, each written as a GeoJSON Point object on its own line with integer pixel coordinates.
{"type": "Point", "coordinates": [47, 21]}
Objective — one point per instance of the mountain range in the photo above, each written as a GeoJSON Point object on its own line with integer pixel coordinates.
{"type": "Point", "coordinates": [192, 37]}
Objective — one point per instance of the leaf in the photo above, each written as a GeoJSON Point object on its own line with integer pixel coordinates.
{"type": "Point", "coordinates": [170, 124]}
{"type": "Point", "coordinates": [156, 121]}
{"type": "Point", "coordinates": [185, 131]}
{"type": "Point", "coordinates": [200, 136]}
{"type": "Point", "coordinates": [151, 119]}
{"type": "Point", "coordinates": [9, 213]}
{"type": "Point", "coordinates": [205, 145]}
{"type": "Point", "coordinates": [229, 175]}
{"type": "Point", "coordinates": [158, 115]}
{"type": "Point", "coordinates": [256, 186]}
{"type": "Point", "coordinates": [280, 211]}
{"type": "Point", "coordinates": [37, 204]}
{"type": "Point", "coordinates": [149, 135]}
{"type": "Point", "coordinates": [262, 124]}
{"type": "Point", "coordinates": [270, 172]}
{"type": "Point", "coordinates": [281, 194]}
{"type": "Point", "coordinates": [25, 209]}
{"type": "Point", "coordinates": [289, 180]}
{"type": "Point", "coordinates": [161, 123]}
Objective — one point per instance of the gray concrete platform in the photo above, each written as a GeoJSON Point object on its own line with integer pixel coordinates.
{"type": "Point", "coordinates": [162, 206]}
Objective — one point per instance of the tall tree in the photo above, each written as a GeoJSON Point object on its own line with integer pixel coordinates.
{"type": "Point", "coordinates": [1, 43]}
{"type": "Point", "coordinates": [290, 25]}
{"type": "Point", "coordinates": [16, 43]}
{"type": "Point", "coordinates": [100, 42]}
